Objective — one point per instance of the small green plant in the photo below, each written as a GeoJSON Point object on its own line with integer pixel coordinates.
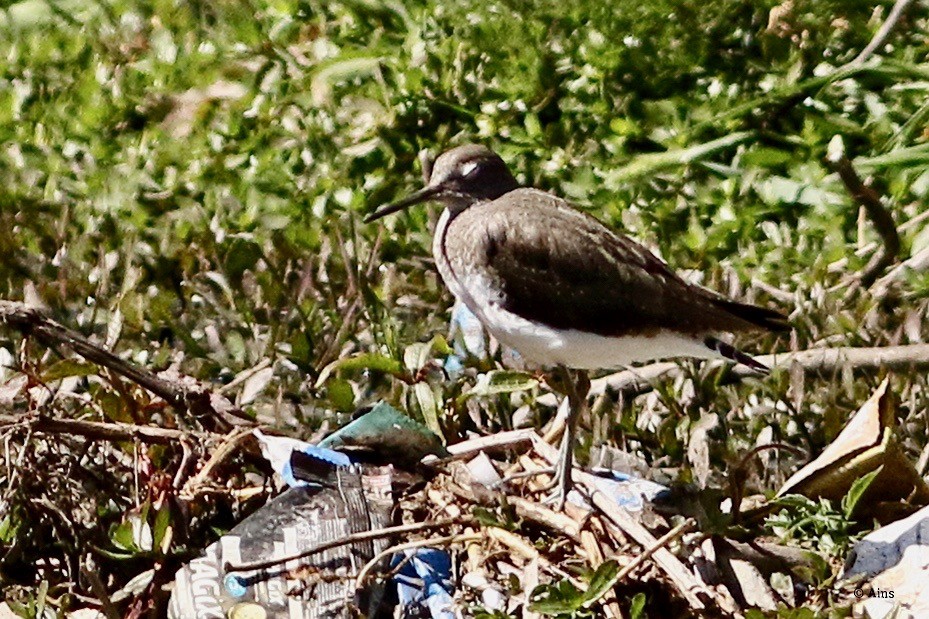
{"type": "Point", "coordinates": [563, 599]}
{"type": "Point", "coordinates": [783, 613]}
{"type": "Point", "coordinates": [482, 613]}
{"type": "Point", "coordinates": [820, 525]}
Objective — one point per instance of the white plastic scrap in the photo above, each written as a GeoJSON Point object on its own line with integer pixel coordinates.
{"type": "Point", "coordinates": [894, 565]}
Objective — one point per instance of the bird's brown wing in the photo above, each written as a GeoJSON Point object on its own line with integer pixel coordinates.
{"type": "Point", "coordinates": [562, 268]}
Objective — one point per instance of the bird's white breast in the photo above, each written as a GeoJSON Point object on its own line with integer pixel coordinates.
{"type": "Point", "coordinates": [544, 345]}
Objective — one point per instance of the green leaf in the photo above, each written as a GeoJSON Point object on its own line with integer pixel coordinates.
{"type": "Point", "coordinates": [428, 405]}
{"type": "Point", "coordinates": [21, 610]}
{"type": "Point", "coordinates": [7, 529]}
{"type": "Point", "coordinates": [417, 355]}
{"type": "Point", "coordinates": [810, 85]}
{"type": "Point", "coordinates": [501, 381]}
{"type": "Point", "coordinates": [33, 13]}
{"type": "Point", "coordinates": [123, 538]}
{"type": "Point", "coordinates": [340, 393]}
{"type": "Point", "coordinates": [911, 156]}
{"type": "Point", "coordinates": [343, 67]}
{"type": "Point", "coordinates": [301, 350]}
{"type": "Point", "coordinates": [858, 489]}
{"type": "Point", "coordinates": [601, 581]}
{"type": "Point", "coordinates": [40, 598]}
{"type": "Point", "coordinates": [556, 599]}
{"type": "Point", "coordinates": [637, 605]}
{"type": "Point", "coordinates": [364, 361]}
{"type": "Point", "coordinates": [651, 163]}
{"type": "Point", "coordinates": [67, 368]}
{"type": "Point", "coordinates": [242, 255]}
{"type": "Point", "coordinates": [764, 157]}
{"type": "Point", "coordinates": [162, 522]}
{"type": "Point", "coordinates": [488, 518]}
{"type": "Point", "coordinates": [623, 126]}
{"type": "Point", "coordinates": [119, 556]}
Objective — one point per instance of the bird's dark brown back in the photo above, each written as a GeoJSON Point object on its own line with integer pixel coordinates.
{"type": "Point", "coordinates": [560, 267]}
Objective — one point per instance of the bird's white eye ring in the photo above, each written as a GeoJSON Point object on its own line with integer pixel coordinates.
{"type": "Point", "coordinates": [468, 168]}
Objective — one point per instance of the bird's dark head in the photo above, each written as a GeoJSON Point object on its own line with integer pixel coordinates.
{"type": "Point", "coordinates": [460, 177]}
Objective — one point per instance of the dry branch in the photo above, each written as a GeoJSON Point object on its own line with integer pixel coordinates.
{"type": "Point", "coordinates": [556, 521]}
{"type": "Point", "coordinates": [690, 588]}
{"type": "Point", "coordinates": [663, 542]}
{"type": "Point", "coordinates": [228, 447]}
{"type": "Point", "coordinates": [909, 356]}
{"type": "Point", "coordinates": [883, 221]}
{"type": "Point", "coordinates": [362, 536]}
{"type": "Point", "coordinates": [501, 441]}
{"type": "Point", "coordinates": [184, 393]}
{"type": "Point", "coordinates": [916, 263]}
{"type": "Point", "coordinates": [827, 360]}
{"type": "Point", "coordinates": [880, 37]}
{"type": "Point", "coordinates": [104, 431]}
{"type": "Point", "coordinates": [419, 543]}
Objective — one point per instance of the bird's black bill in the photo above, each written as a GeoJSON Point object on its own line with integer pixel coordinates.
{"type": "Point", "coordinates": [422, 195]}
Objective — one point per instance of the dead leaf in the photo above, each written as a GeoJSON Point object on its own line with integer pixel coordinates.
{"type": "Point", "coordinates": [12, 388]}
{"type": "Point", "coordinates": [698, 449]}
{"type": "Point", "coordinates": [254, 385]}
{"type": "Point", "coordinates": [866, 443]}
{"type": "Point", "coordinates": [187, 105]}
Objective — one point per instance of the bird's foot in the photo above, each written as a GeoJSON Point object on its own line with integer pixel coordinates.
{"type": "Point", "coordinates": [563, 481]}
{"type": "Point", "coordinates": [559, 497]}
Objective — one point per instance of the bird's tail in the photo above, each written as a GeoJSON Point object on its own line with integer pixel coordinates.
{"type": "Point", "coordinates": [761, 317]}
{"type": "Point", "coordinates": [734, 354]}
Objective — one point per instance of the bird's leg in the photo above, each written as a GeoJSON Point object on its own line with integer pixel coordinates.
{"type": "Point", "coordinates": [576, 386]}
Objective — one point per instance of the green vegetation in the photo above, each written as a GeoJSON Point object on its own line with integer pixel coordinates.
{"type": "Point", "coordinates": [185, 181]}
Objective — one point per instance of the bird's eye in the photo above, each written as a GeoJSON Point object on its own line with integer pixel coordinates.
{"type": "Point", "coordinates": [468, 168]}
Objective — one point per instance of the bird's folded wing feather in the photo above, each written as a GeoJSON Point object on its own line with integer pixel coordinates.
{"type": "Point", "coordinates": [560, 267]}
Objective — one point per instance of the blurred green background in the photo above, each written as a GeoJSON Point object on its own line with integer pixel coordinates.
{"type": "Point", "coordinates": [185, 181]}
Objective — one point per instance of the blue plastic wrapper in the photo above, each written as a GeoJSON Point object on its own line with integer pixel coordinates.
{"type": "Point", "coordinates": [424, 583]}
{"type": "Point", "coordinates": [467, 336]}
{"type": "Point", "coordinates": [626, 490]}
{"type": "Point", "coordinates": [278, 450]}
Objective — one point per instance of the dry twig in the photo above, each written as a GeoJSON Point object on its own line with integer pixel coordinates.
{"type": "Point", "coordinates": [639, 380]}
{"type": "Point", "coordinates": [676, 571]}
{"type": "Point", "coordinates": [662, 542]}
{"type": "Point", "coordinates": [556, 521]}
{"type": "Point", "coordinates": [197, 400]}
{"type": "Point", "coordinates": [104, 431]}
{"type": "Point", "coordinates": [880, 37]}
{"type": "Point", "coordinates": [512, 439]}
{"type": "Point", "coordinates": [419, 543]}
{"type": "Point", "coordinates": [883, 221]}
{"type": "Point", "coordinates": [917, 262]}
{"type": "Point", "coordinates": [362, 536]}
{"type": "Point", "coordinates": [227, 448]}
